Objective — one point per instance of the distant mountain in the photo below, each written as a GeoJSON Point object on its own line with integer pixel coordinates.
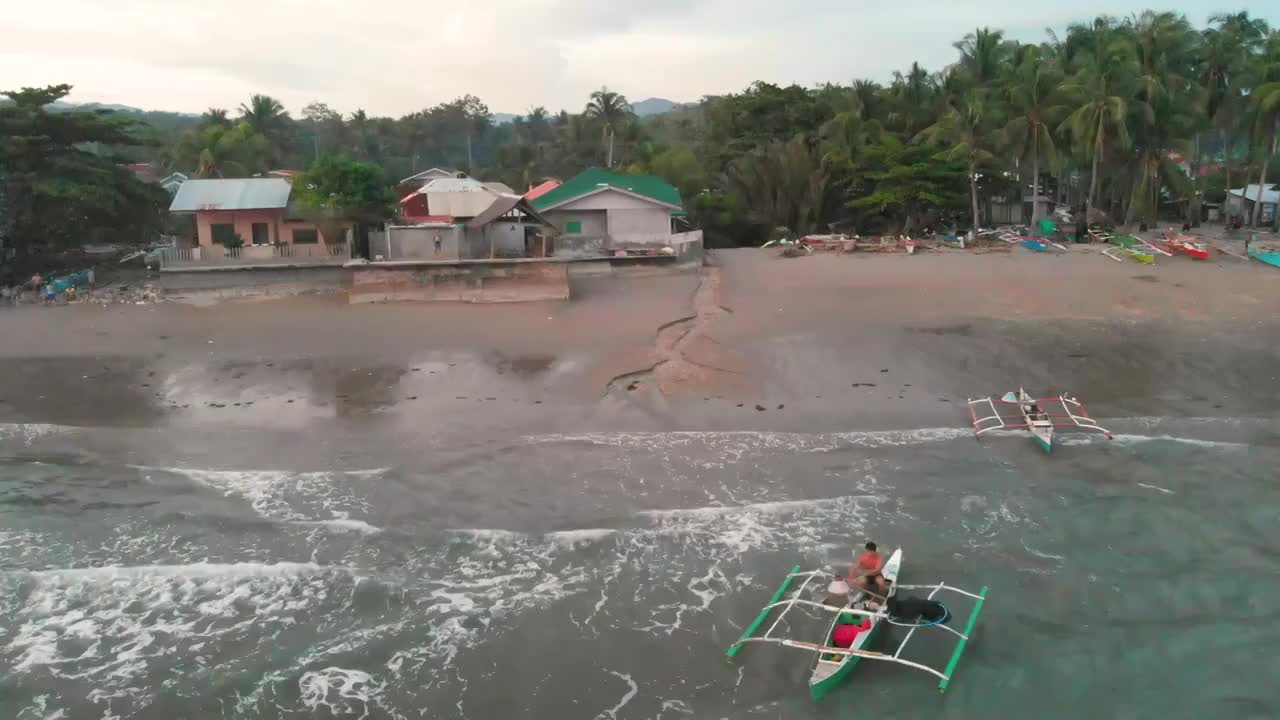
{"type": "Point", "coordinates": [652, 106]}
{"type": "Point", "coordinates": [502, 118]}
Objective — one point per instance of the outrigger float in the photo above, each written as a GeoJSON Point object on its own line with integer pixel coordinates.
{"type": "Point", "coordinates": [1040, 416]}
{"type": "Point", "coordinates": [832, 663]}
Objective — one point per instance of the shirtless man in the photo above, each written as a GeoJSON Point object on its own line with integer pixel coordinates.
{"type": "Point", "coordinates": [865, 573]}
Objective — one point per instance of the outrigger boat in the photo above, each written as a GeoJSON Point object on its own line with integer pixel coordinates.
{"type": "Point", "coordinates": [831, 663]}
{"type": "Point", "coordinates": [1039, 416]}
{"type": "Point", "coordinates": [1266, 253]}
{"type": "Point", "coordinates": [1185, 244]}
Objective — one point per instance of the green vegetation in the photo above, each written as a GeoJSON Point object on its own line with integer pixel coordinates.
{"type": "Point", "coordinates": [62, 181]}
{"type": "Point", "coordinates": [1142, 118]}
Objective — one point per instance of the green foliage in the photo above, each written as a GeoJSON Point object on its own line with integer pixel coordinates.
{"type": "Point", "coordinates": [62, 181]}
{"type": "Point", "coordinates": [1089, 118]}
{"type": "Point", "coordinates": [351, 188]}
{"type": "Point", "coordinates": [908, 185]}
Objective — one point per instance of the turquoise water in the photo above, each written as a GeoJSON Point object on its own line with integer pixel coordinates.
{"type": "Point", "coordinates": [603, 575]}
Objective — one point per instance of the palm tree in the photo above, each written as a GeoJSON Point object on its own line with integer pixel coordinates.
{"type": "Point", "coordinates": [1098, 96]}
{"type": "Point", "coordinates": [215, 116]}
{"type": "Point", "coordinates": [267, 117]}
{"type": "Point", "coordinates": [1265, 103]}
{"type": "Point", "coordinates": [1163, 111]}
{"type": "Point", "coordinates": [781, 184]}
{"type": "Point", "coordinates": [1031, 85]}
{"type": "Point", "coordinates": [610, 109]}
{"type": "Point", "coordinates": [964, 131]}
{"type": "Point", "coordinates": [264, 114]}
{"type": "Point", "coordinates": [982, 53]}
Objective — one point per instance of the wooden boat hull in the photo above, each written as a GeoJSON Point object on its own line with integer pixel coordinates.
{"type": "Point", "coordinates": [1268, 257]}
{"type": "Point", "coordinates": [825, 678]}
{"type": "Point", "coordinates": [1043, 438]}
{"type": "Point", "coordinates": [1194, 251]}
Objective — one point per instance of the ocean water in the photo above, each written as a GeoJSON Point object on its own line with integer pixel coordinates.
{"type": "Point", "coordinates": [603, 575]}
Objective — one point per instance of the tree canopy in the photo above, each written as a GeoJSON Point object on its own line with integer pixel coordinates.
{"type": "Point", "coordinates": [62, 177]}
{"type": "Point", "coordinates": [1139, 118]}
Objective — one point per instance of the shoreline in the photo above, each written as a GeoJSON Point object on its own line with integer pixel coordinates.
{"type": "Point", "coordinates": [839, 342]}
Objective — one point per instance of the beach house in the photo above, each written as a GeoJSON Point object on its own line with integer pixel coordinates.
{"type": "Point", "coordinates": [599, 211]}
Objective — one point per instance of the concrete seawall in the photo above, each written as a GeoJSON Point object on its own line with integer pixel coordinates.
{"type": "Point", "coordinates": [488, 282]}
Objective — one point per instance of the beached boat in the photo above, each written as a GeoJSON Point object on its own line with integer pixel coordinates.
{"type": "Point", "coordinates": [1186, 245]}
{"type": "Point", "coordinates": [1039, 416]}
{"type": "Point", "coordinates": [1119, 252]}
{"type": "Point", "coordinates": [833, 664]}
{"type": "Point", "coordinates": [1268, 255]}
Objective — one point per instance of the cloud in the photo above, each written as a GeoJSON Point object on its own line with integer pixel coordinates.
{"type": "Point", "coordinates": [397, 56]}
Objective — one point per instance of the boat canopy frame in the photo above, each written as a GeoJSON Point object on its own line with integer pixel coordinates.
{"type": "Point", "coordinates": [1073, 415]}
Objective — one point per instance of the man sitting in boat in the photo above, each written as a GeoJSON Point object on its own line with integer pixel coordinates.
{"type": "Point", "coordinates": [865, 573]}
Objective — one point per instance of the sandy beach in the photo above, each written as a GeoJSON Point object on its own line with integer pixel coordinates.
{"type": "Point", "coordinates": [859, 340]}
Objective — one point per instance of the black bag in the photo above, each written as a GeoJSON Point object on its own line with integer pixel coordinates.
{"type": "Point", "coordinates": [917, 610]}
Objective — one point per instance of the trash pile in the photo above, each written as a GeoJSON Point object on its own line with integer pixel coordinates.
{"type": "Point", "coordinates": [77, 287]}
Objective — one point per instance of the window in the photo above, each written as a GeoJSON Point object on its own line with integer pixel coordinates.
{"type": "Point", "coordinates": [223, 233]}
{"type": "Point", "coordinates": [306, 236]}
{"type": "Point", "coordinates": [573, 227]}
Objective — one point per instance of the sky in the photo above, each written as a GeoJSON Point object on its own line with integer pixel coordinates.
{"type": "Point", "coordinates": [392, 57]}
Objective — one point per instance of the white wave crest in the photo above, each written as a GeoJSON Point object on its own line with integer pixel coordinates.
{"type": "Point", "coordinates": [342, 691]}
{"type": "Point", "coordinates": [323, 499]}
{"type": "Point", "coordinates": [27, 433]}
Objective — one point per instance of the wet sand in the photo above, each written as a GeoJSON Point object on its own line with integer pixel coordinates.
{"type": "Point", "coordinates": [755, 341]}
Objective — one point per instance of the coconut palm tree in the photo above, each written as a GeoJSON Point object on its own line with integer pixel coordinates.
{"type": "Point", "coordinates": [781, 184]}
{"type": "Point", "coordinates": [964, 133]}
{"type": "Point", "coordinates": [982, 54]}
{"type": "Point", "coordinates": [215, 116]}
{"type": "Point", "coordinates": [610, 109]}
{"type": "Point", "coordinates": [1265, 106]}
{"type": "Point", "coordinates": [267, 117]}
{"type": "Point", "coordinates": [1097, 96]}
{"type": "Point", "coordinates": [1164, 110]}
{"type": "Point", "coordinates": [1031, 84]}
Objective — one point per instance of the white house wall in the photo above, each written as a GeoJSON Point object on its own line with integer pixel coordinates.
{"type": "Point", "coordinates": [648, 225]}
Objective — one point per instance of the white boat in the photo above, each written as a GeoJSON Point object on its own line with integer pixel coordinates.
{"type": "Point", "coordinates": [1040, 416]}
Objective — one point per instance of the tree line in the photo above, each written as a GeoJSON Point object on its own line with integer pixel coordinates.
{"type": "Point", "coordinates": [1131, 120]}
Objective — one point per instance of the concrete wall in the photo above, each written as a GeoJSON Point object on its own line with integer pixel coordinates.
{"type": "Point", "coordinates": [595, 223]}
{"type": "Point", "coordinates": [200, 286]}
{"type": "Point", "coordinates": [507, 239]}
{"type": "Point", "coordinates": [651, 225]}
{"type": "Point", "coordinates": [623, 219]}
{"type": "Point", "coordinates": [521, 281]}
{"type": "Point", "coordinates": [579, 246]}
{"type": "Point", "coordinates": [278, 230]}
{"type": "Point", "coordinates": [418, 243]}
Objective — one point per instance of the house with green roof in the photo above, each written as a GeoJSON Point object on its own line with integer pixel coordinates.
{"type": "Point", "coordinates": [598, 211]}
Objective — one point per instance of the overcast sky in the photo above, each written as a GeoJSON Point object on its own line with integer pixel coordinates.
{"type": "Point", "coordinates": [391, 57]}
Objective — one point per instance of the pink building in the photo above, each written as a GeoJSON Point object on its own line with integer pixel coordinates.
{"type": "Point", "coordinates": [255, 209]}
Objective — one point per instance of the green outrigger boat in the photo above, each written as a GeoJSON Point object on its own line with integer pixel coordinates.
{"type": "Point", "coordinates": [833, 664]}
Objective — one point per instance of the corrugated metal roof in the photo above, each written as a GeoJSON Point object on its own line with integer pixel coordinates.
{"type": "Point", "coordinates": [504, 204]}
{"type": "Point", "coordinates": [241, 194]}
{"type": "Point", "coordinates": [1269, 193]}
{"type": "Point", "coordinates": [541, 190]}
{"type": "Point", "coordinates": [453, 185]}
{"type": "Point", "coordinates": [458, 197]}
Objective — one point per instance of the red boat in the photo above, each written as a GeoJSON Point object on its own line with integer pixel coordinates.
{"type": "Point", "coordinates": [1185, 244]}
